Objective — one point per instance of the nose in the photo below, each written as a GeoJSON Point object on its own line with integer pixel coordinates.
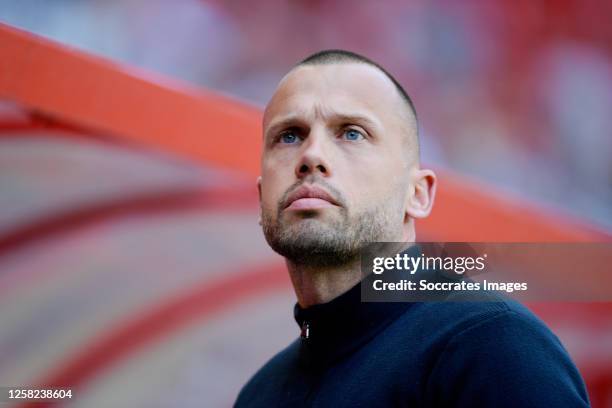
{"type": "Point", "coordinates": [314, 159]}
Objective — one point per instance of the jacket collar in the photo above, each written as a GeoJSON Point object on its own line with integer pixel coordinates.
{"type": "Point", "coordinates": [336, 328]}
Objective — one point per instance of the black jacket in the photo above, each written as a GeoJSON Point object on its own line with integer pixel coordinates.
{"type": "Point", "coordinates": [428, 354]}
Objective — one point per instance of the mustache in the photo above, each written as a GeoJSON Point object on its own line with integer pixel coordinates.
{"type": "Point", "coordinates": [313, 182]}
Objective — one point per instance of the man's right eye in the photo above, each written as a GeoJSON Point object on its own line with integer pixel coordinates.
{"type": "Point", "coordinates": [288, 137]}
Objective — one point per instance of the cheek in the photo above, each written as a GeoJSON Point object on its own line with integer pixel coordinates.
{"type": "Point", "coordinates": [269, 194]}
{"type": "Point", "coordinates": [273, 185]}
{"type": "Point", "coordinates": [371, 179]}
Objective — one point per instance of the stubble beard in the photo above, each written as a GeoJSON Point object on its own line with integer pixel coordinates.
{"type": "Point", "coordinates": [314, 242]}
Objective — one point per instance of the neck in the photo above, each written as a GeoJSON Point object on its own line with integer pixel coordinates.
{"type": "Point", "coordinates": [315, 285]}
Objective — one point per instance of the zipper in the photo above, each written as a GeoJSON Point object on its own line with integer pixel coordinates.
{"type": "Point", "coordinates": [305, 330]}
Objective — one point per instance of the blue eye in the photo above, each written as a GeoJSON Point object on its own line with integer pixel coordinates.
{"type": "Point", "coordinates": [288, 138]}
{"type": "Point", "coordinates": [352, 134]}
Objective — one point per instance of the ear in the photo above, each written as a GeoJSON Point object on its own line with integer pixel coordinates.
{"type": "Point", "coordinates": [421, 199]}
{"type": "Point", "coordinates": [259, 187]}
{"type": "Point", "coordinates": [259, 193]}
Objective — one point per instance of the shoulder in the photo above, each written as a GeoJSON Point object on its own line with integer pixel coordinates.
{"type": "Point", "coordinates": [496, 327]}
{"type": "Point", "coordinates": [269, 379]}
{"type": "Point", "coordinates": [500, 351]}
{"type": "Point", "coordinates": [461, 314]}
{"type": "Point", "coordinates": [499, 326]}
{"type": "Point", "coordinates": [440, 322]}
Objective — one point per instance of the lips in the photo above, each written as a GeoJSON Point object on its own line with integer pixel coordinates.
{"type": "Point", "coordinates": [309, 198]}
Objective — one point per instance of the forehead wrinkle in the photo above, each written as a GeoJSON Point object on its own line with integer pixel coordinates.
{"type": "Point", "coordinates": [291, 87]}
{"type": "Point", "coordinates": [318, 110]}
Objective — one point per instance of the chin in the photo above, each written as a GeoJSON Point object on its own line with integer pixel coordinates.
{"type": "Point", "coordinates": [309, 227]}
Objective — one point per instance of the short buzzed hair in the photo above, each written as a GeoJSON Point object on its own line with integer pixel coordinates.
{"type": "Point", "coordinates": [335, 56]}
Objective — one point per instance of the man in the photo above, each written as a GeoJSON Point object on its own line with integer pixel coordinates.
{"type": "Point", "coordinates": [340, 169]}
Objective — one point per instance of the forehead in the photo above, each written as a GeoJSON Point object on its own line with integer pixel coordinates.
{"type": "Point", "coordinates": [337, 88]}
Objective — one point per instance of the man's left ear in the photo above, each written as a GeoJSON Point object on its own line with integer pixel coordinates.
{"type": "Point", "coordinates": [421, 200]}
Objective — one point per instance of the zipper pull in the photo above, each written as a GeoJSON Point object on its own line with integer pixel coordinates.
{"type": "Point", "coordinates": [305, 330]}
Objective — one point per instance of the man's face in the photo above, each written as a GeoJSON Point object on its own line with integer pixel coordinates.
{"type": "Point", "coordinates": [335, 163]}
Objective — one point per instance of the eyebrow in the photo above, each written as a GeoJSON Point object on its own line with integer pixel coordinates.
{"type": "Point", "coordinates": [293, 120]}
{"type": "Point", "coordinates": [288, 121]}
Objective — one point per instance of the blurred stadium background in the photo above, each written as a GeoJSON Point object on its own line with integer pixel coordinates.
{"type": "Point", "coordinates": [132, 267]}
